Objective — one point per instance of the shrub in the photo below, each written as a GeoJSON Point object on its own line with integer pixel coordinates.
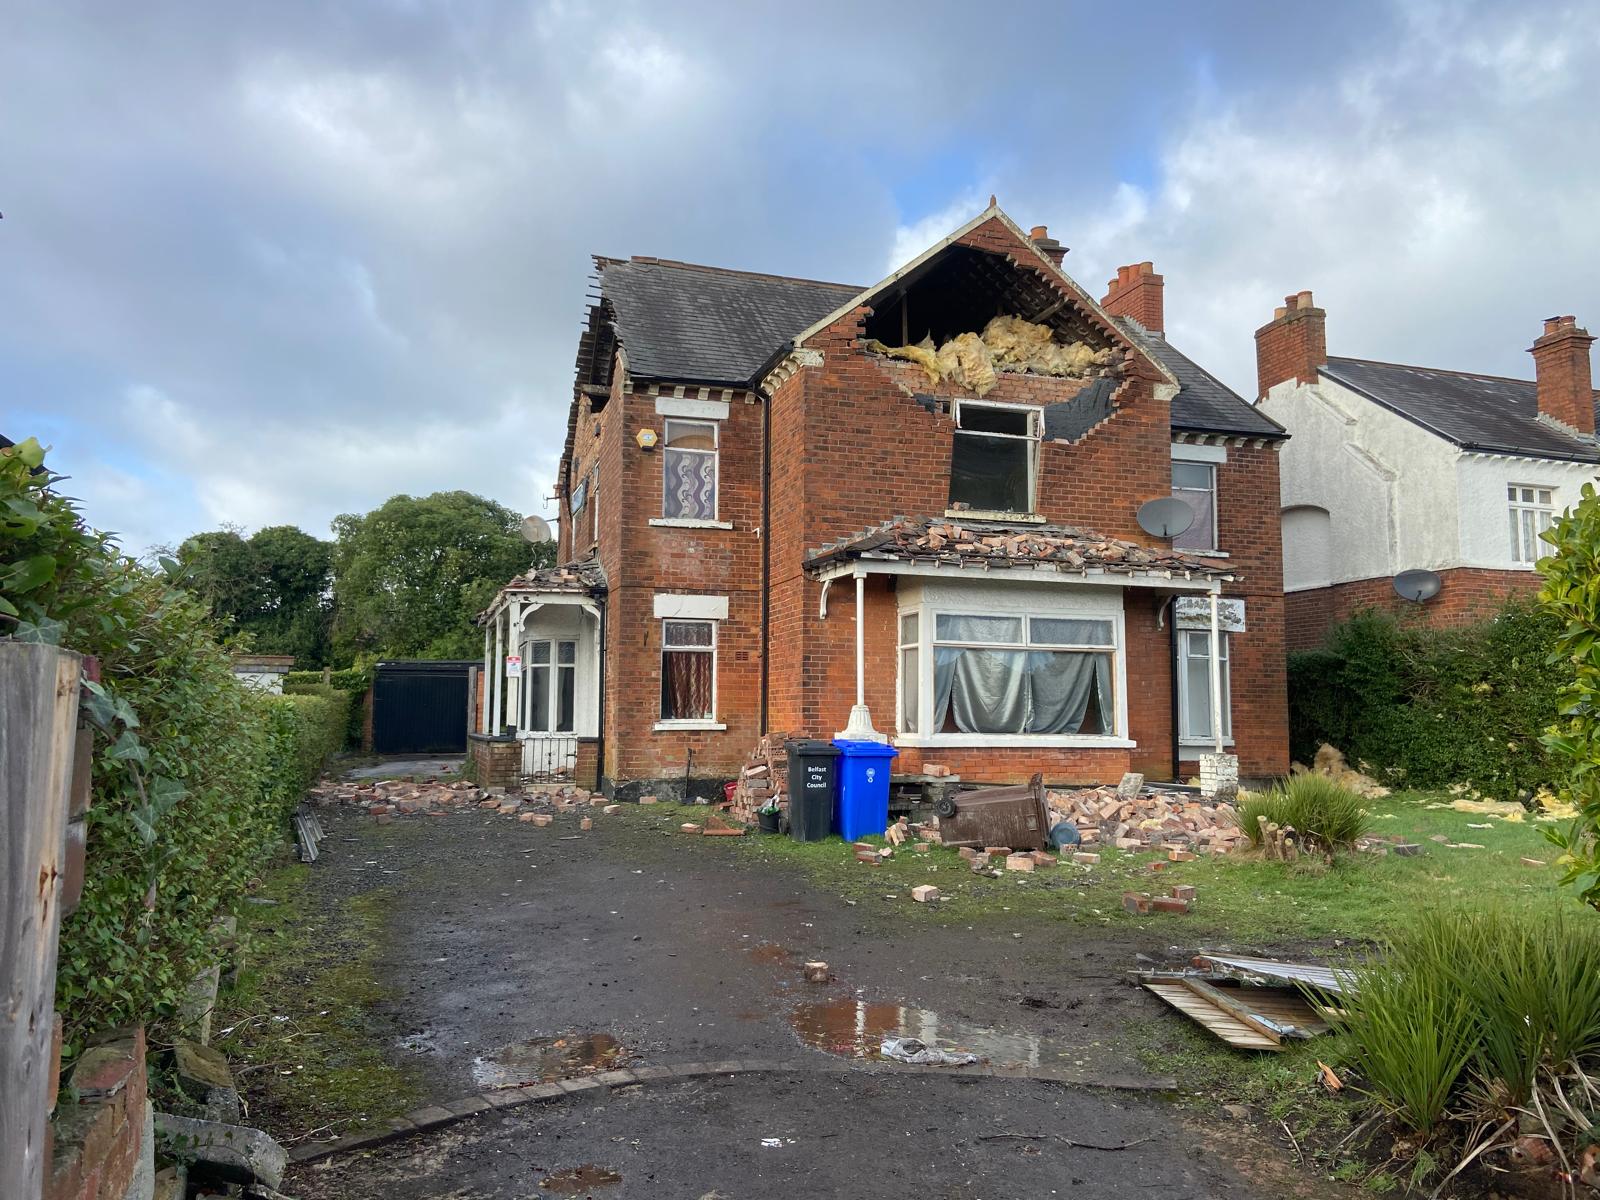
{"type": "Point", "coordinates": [1490, 1016]}
{"type": "Point", "coordinates": [1424, 707]}
{"type": "Point", "coordinates": [194, 774]}
{"type": "Point", "coordinates": [353, 682]}
{"type": "Point", "coordinates": [1325, 814]}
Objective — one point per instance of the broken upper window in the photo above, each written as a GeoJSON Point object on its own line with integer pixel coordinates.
{"type": "Point", "coordinates": [689, 471]}
{"type": "Point", "coordinates": [994, 458]}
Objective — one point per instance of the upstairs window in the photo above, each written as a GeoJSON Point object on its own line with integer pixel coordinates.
{"type": "Point", "coordinates": [1532, 511]}
{"type": "Point", "coordinates": [994, 459]}
{"type": "Point", "coordinates": [1195, 483]}
{"type": "Point", "coordinates": [689, 471]}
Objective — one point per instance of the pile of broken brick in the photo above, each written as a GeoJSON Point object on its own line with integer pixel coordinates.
{"type": "Point", "coordinates": [1132, 816]}
{"type": "Point", "coordinates": [386, 799]}
{"type": "Point", "coordinates": [763, 780]}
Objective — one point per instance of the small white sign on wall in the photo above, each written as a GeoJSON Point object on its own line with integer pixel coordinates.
{"type": "Point", "coordinates": [1194, 612]}
{"type": "Point", "coordinates": [513, 666]}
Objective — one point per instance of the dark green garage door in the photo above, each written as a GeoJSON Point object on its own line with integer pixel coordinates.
{"type": "Point", "coordinates": [420, 707]}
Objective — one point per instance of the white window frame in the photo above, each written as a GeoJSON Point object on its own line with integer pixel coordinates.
{"type": "Point", "coordinates": [901, 646]}
{"type": "Point", "coordinates": [552, 687]}
{"type": "Point", "coordinates": [1035, 436]}
{"type": "Point", "coordinates": [953, 599]}
{"type": "Point", "coordinates": [1186, 638]}
{"type": "Point", "coordinates": [711, 722]}
{"type": "Point", "coordinates": [594, 505]}
{"type": "Point", "coordinates": [716, 471]}
{"type": "Point", "coordinates": [1211, 470]}
{"type": "Point", "coordinates": [1542, 513]}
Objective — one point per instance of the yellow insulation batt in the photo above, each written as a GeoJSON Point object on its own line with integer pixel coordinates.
{"type": "Point", "coordinates": [1006, 344]}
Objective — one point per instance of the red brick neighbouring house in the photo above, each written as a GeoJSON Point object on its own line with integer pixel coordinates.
{"type": "Point", "coordinates": [765, 498]}
{"type": "Point", "coordinates": [1396, 468]}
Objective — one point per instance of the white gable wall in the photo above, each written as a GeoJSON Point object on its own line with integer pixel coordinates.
{"type": "Point", "coordinates": [1389, 488]}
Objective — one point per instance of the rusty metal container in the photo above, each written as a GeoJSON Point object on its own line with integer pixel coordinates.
{"type": "Point", "coordinates": [996, 816]}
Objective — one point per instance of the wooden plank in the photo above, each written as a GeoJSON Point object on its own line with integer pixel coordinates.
{"type": "Point", "coordinates": [1233, 1008]}
{"type": "Point", "coordinates": [38, 719]}
{"type": "Point", "coordinates": [1210, 1017]}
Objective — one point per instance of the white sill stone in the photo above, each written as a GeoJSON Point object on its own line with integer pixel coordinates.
{"type": "Point", "coordinates": [1015, 741]}
{"type": "Point", "coordinates": [676, 726]}
{"type": "Point", "coordinates": [688, 523]}
{"type": "Point", "coordinates": [984, 514]}
{"type": "Point", "coordinates": [1202, 745]}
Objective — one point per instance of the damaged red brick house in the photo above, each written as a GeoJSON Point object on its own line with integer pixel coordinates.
{"type": "Point", "coordinates": [908, 511]}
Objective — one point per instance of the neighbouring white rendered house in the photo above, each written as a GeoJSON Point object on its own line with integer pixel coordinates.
{"type": "Point", "coordinates": [1392, 468]}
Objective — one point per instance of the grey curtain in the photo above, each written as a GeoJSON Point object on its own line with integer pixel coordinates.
{"type": "Point", "coordinates": [1020, 691]}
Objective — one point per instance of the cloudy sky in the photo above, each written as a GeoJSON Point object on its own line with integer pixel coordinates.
{"type": "Point", "coordinates": [270, 262]}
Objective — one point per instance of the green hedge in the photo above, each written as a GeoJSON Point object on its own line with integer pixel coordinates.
{"type": "Point", "coordinates": [353, 682]}
{"type": "Point", "coordinates": [194, 773]}
{"type": "Point", "coordinates": [1421, 707]}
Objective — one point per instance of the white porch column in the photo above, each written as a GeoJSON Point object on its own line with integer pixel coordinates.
{"type": "Point", "coordinates": [1216, 674]}
{"type": "Point", "coordinates": [860, 727]}
{"type": "Point", "coordinates": [498, 722]}
{"type": "Point", "coordinates": [514, 685]}
{"type": "Point", "coordinates": [488, 665]}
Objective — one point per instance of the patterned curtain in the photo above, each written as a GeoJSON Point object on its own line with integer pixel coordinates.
{"type": "Point", "coordinates": [691, 492]}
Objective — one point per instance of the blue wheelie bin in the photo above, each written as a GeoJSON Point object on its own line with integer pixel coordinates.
{"type": "Point", "coordinates": [863, 787]}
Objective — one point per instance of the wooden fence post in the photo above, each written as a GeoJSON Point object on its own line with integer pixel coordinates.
{"type": "Point", "coordinates": [38, 718]}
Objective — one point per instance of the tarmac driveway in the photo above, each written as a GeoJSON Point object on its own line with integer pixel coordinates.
{"type": "Point", "coordinates": [520, 953]}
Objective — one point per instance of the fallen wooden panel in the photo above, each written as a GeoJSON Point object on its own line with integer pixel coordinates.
{"type": "Point", "coordinates": [1219, 1021]}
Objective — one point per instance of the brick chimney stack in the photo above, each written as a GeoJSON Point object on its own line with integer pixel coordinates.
{"type": "Point", "coordinates": [1048, 246]}
{"type": "Point", "coordinates": [1292, 345]}
{"type": "Point", "coordinates": [1561, 365]}
{"type": "Point", "coordinates": [1136, 292]}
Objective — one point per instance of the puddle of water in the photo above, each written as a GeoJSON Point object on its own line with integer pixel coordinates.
{"type": "Point", "coordinates": [541, 1060]}
{"type": "Point", "coordinates": [580, 1179]}
{"type": "Point", "coordinates": [856, 1028]}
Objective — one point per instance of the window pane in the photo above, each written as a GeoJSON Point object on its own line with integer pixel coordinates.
{"type": "Point", "coordinates": [687, 633]}
{"type": "Point", "coordinates": [539, 699]}
{"type": "Point", "coordinates": [691, 435]}
{"type": "Point", "coordinates": [566, 686]}
{"type": "Point", "coordinates": [1069, 693]}
{"type": "Point", "coordinates": [1197, 696]}
{"type": "Point", "coordinates": [982, 691]}
{"type": "Point", "coordinates": [1065, 631]}
{"type": "Point", "coordinates": [908, 628]}
{"type": "Point", "coordinates": [953, 627]}
{"type": "Point", "coordinates": [567, 652]}
{"type": "Point", "coordinates": [909, 692]}
{"type": "Point", "coordinates": [689, 485]}
{"type": "Point", "coordinates": [685, 685]}
{"type": "Point", "coordinates": [541, 652]}
{"type": "Point", "coordinates": [990, 473]}
{"type": "Point", "coordinates": [1516, 544]}
{"type": "Point", "coordinates": [1511, 493]}
{"type": "Point", "coordinates": [1202, 534]}
{"type": "Point", "coordinates": [996, 420]}
{"type": "Point", "coordinates": [1191, 475]}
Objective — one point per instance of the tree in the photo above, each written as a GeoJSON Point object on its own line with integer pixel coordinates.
{"type": "Point", "coordinates": [411, 575]}
{"type": "Point", "coordinates": [274, 586]}
{"type": "Point", "coordinates": [1571, 593]}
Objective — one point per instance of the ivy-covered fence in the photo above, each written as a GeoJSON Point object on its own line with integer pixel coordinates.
{"type": "Point", "coordinates": [194, 776]}
{"type": "Point", "coordinates": [1422, 707]}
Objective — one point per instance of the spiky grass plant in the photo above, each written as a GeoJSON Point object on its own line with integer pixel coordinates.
{"type": "Point", "coordinates": [1324, 813]}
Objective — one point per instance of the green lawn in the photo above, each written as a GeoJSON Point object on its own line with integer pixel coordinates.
{"type": "Point", "coordinates": [1247, 901]}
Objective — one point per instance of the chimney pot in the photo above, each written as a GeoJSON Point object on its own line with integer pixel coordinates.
{"type": "Point", "coordinates": [1137, 292]}
{"type": "Point", "coordinates": [1039, 232]}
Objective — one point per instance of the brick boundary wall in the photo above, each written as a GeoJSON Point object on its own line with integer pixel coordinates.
{"type": "Point", "coordinates": [1468, 594]}
{"type": "Point", "coordinates": [98, 1147]}
{"type": "Point", "coordinates": [586, 771]}
{"type": "Point", "coordinates": [496, 761]}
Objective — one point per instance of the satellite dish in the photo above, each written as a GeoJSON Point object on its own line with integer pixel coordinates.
{"type": "Point", "coordinates": [1417, 586]}
{"type": "Point", "coordinates": [535, 529]}
{"type": "Point", "coordinates": [1165, 518]}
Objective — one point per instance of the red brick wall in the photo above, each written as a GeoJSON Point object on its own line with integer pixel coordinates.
{"type": "Point", "coordinates": [496, 761]}
{"type": "Point", "coordinates": [1292, 345]}
{"type": "Point", "coordinates": [1467, 594]}
{"type": "Point", "coordinates": [96, 1147]}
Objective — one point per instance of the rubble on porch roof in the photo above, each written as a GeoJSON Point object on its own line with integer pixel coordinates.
{"type": "Point", "coordinates": [579, 578]}
{"type": "Point", "coordinates": [990, 544]}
